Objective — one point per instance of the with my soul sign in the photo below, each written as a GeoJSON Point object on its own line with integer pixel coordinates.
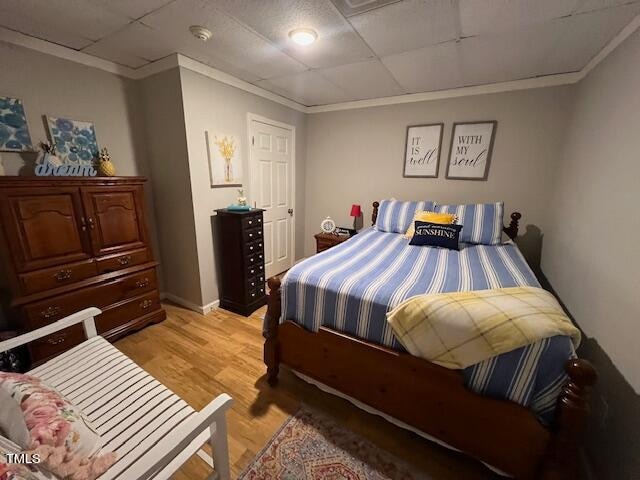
{"type": "Point", "coordinates": [470, 154]}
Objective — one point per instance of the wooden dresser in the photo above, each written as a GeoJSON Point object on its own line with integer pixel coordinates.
{"type": "Point", "coordinates": [241, 258]}
{"type": "Point", "coordinates": [73, 242]}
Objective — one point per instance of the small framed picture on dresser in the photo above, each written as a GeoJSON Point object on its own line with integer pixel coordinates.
{"type": "Point", "coordinates": [471, 149]}
{"type": "Point", "coordinates": [422, 150]}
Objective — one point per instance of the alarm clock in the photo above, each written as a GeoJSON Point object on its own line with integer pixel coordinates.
{"type": "Point", "coordinates": [328, 225]}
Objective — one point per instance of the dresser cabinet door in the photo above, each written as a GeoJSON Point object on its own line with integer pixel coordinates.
{"type": "Point", "coordinates": [44, 226]}
{"type": "Point", "coordinates": [115, 218]}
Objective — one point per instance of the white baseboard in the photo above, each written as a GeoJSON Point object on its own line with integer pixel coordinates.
{"type": "Point", "coordinates": [202, 309]}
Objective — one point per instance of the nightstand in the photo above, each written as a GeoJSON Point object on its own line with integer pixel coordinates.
{"type": "Point", "coordinates": [328, 240]}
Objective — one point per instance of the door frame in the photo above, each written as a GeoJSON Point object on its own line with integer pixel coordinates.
{"type": "Point", "coordinates": [253, 177]}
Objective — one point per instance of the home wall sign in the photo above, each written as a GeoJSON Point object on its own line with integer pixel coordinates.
{"type": "Point", "coordinates": [471, 149]}
{"type": "Point", "coordinates": [422, 150]}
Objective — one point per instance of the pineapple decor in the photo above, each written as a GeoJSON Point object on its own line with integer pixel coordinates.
{"type": "Point", "coordinates": [105, 167]}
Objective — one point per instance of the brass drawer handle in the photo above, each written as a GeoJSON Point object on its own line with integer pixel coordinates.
{"type": "Point", "coordinates": [62, 275]}
{"type": "Point", "coordinates": [126, 260]}
{"type": "Point", "coordinates": [57, 339]}
{"type": "Point", "coordinates": [145, 304]}
{"type": "Point", "coordinates": [50, 312]}
{"type": "Point", "coordinates": [143, 283]}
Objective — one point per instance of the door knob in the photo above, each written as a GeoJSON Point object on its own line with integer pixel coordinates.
{"type": "Point", "coordinates": [290, 211]}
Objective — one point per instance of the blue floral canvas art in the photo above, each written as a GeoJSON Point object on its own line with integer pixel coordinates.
{"type": "Point", "coordinates": [75, 141]}
{"type": "Point", "coordinates": [14, 133]}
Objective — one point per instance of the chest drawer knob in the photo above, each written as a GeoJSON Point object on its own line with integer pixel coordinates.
{"type": "Point", "coordinates": [250, 222]}
{"type": "Point", "coordinates": [62, 275]}
{"type": "Point", "coordinates": [49, 312]}
{"type": "Point", "coordinates": [251, 235]}
{"type": "Point", "coordinates": [251, 248]}
{"type": "Point", "coordinates": [143, 282]}
{"type": "Point", "coordinates": [126, 260]}
{"type": "Point", "coordinates": [57, 339]}
{"type": "Point", "coordinates": [145, 304]}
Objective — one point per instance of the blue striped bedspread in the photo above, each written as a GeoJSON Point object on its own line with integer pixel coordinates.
{"type": "Point", "coordinates": [352, 286]}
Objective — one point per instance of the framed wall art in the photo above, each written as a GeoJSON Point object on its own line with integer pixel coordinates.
{"type": "Point", "coordinates": [471, 149]}
{"type": "Point", "coordinates": [422, 150]}
{"type": "Point", "coordinates": [74, 140]}
{"type": "Point", "coordinates": [14, 132]}
{"type": "Point", "coordinates": [225, 161]}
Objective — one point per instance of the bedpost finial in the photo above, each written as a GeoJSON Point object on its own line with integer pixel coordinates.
{"type": "Point", "coordinates": [516, 216]}
{"type": "Point", "coordinates": [581, 372]}
{"type": "Point", "coordinates": [512, 229]}
{"type": "Point", "coordinates": [274, 283]}
{"type": "Point", "coordinates": [374, 214]}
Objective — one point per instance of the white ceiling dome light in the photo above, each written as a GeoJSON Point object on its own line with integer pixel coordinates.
{"type": "Point", "coordinates": [200, 32]}
{"type": "Point", "coordinates": [303, 36]}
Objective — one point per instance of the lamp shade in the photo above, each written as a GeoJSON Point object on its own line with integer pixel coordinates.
{"type": "Point", "coordinates": [356, 211]}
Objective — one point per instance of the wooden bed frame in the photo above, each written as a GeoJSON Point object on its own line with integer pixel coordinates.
{"type": "Point", "coordinates": [434, 399]}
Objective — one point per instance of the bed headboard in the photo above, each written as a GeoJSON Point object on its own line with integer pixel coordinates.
{"type": "Point", "coordinates": [511, 230]}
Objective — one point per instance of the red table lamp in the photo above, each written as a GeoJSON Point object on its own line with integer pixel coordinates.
{"type": "Point", "coordinates": [356, 211]}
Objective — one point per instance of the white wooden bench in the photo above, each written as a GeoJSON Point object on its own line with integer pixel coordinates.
{"type": "Point", "coordinates": [151, 429]}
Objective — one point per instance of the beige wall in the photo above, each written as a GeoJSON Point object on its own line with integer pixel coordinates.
{"type": "Point", "coordinates": [213, 106]}
{"type": "Point", "coordinates": [590, 254]}
{"type": "Point", "coordinates": [51, 86]}
{"type": "Point", "coordinates": [169, 163]}
{"type": "Point", "coordinates": [356, 156]}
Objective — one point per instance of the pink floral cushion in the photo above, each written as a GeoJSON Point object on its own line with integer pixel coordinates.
{"type": "Point", "coordinates": [58, 431]}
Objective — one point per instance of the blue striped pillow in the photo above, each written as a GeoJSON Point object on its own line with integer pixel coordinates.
{"type": "Point", "coordinates": [482, 222]}
{"type": "Point", "coordinates": [395, 216]}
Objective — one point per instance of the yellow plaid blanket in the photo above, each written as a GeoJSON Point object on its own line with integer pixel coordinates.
{"type": "Point", "coordinates": [460, 329]}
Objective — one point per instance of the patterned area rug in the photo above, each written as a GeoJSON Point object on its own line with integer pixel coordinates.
{"type": "Point", "coordinates": [310, 446]}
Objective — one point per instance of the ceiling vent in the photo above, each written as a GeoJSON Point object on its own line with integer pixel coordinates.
{"type": "Point", "coordinates": [350, 8]}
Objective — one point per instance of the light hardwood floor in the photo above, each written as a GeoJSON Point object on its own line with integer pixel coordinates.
{"type": "Point", "coordinates": [199, 357]}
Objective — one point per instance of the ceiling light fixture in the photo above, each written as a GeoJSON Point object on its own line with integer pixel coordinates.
{"type": "Point", "coordinates": [200, 32]}
{"type": "Point", "coordinates": [303, 36]}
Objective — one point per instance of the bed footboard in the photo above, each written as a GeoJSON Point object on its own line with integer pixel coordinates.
{"type": "Point", "coordinates": [497, 432]}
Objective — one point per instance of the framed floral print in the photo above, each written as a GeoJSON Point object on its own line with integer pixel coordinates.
{"type": "Point", "coordinates": [75, 140]}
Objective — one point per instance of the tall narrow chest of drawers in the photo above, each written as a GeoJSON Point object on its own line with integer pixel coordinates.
{"type": "Point", "coordinates": [240, 253]}
{"type": "Point", "coordinates": [69, 243]}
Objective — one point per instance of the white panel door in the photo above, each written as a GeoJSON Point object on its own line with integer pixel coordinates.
{"type": "Point", "coordinates": [272, 190]}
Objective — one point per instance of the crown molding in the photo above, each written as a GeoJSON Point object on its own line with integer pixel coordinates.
{"type": "Point", "coordinates": [228, 79]}
{"type": "Point", "coordinates": [50, 48]}
{"type": "Point", "coordinates": [524, 84]}
{"type": "Point", "coordinates": [178, 60]}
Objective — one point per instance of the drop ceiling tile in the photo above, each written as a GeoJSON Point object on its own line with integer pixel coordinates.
{"type": "Point", "coordinates": [337, 42]}
{"type": "Point", "coordinates": [591, 5]}
{"type": "Point", "coordinates": [132, 44]}
{"type": "Point", "coordinates": [493, 16]}
{"type": "Point", "coordinates": [368, 79]}
{"type": "Point", "coordinates": [133, 9]}
{"type": "Point", "coordinates": [507, 56]}
{"type": "Point", "coordinates": [308, 88]}
{"type": "Point", "coordinates": [406, 25]}
{"type": "Point", "coordinates": [231, 42]}
{"type": "Point", "coordinates": [72, 23]}
{"type": "Point", "coordinates": [427, 69]}
{"type": "Point", "coordinates": [115, 54]}
{"type": "Point", "coordinates": [584, 35]}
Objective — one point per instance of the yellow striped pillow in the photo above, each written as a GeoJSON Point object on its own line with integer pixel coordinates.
{"type": "Point", "coordinates": [433, 217]}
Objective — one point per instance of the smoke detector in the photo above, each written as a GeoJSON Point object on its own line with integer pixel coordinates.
{"type": "Point", "coordinates": [200, 32]}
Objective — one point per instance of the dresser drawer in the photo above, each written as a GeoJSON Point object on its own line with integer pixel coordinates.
{"type": "Point", "coordinates": [252, 221]}
{"type": "Point", "coordinates": [123, 312]}
{"type": "Point", "coordinates": [114, 263]}
{"type": "Point", "coordinates": [40, 280]}
{"type": "Point", "coordinates": [253, 270]}
{"type": "Point", "coordinates": [252, 234]}
{"type": "Point", "coordinates": [253, 247]}
{"type": "Point", "coordinates": [255, 293]}
{"type": "Point", "coordinates": [56, 343]}
{"type": "Point", "coordinates": [47, 311]}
